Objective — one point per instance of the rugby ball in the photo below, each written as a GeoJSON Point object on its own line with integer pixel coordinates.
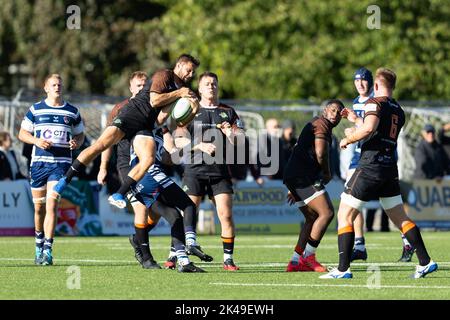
{"type": "Point", "coordinates": [181, 110]}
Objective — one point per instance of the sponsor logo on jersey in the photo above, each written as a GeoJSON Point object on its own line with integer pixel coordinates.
{"type": "Point", "coordinates": [185, 188]}
{"type": "Point", "coordinates": [44, 118]}
{"type": "Point", "coordinates": [55, 118]}
{"type": "Point", "coordinates": [223, 115]}
{"type": "Point", "coordinates": [117, 121]}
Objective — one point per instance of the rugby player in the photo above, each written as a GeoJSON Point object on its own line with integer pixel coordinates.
{"type": "Point", "coordinates": [306, 174]}
{"type": "Point", "coordinates": [137, 81]}
{"type": "Point", "coordinates": [54, 128]}
{"type": "Point", "coordinates": [377, 174]}
{"type": "Point", "coordinates": [363, 81]}
{"type": "Point", "coordinates": [139, 116]}
{"type": "Point", "coordinates": [157, 191]}
{"type": "Point", "coordinates": [215, 126]}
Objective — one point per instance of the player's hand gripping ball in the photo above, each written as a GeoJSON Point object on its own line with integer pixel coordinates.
{"type": "Point", "coordinates": [182, 112]}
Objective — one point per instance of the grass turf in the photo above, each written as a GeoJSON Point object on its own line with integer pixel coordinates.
{"type": "Point", "coordinates": [108, 270]}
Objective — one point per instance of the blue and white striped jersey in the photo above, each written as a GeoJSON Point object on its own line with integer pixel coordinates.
{"type": "Point", "coordinates": [155, 173]}
{"type": "Point", "coordinates": [57, 124]}
{"type": "Point", "coordinates": [359, 108]}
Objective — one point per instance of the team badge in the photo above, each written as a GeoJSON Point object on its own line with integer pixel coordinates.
{"type": "Point", "coordinates": [66, 120]}
{"type": "Point", "coordinates": [223, 115]}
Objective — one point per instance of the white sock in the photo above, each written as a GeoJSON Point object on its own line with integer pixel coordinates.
{"type": "Point", "coordinates": [295, 257]}
{"type": "Point", "coordinates": [227, 256]}
{"type": "Point", "coordinates": [309, 250]}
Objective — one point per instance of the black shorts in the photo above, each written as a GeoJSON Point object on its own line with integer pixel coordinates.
{"type": "Point", "coordinates": [303, 194]}
{"type": "Point", "coordinates": [373, 183]}
{"type": "Point", "coordinates": [131, 121]}
{"type": "Point", "coordinates": [200, 186]}
{"type": "Point", "coordinates": [123, 173]}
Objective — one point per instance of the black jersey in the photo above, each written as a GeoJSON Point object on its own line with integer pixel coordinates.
{"type": "Point", "coordinates": [137, 114]}
{"type": "Point", "coordinates": [303, 162]}
{"type": "Point", "coordinates": [379, 149]}
{"type": "Point", "coordinates": [203, 128]}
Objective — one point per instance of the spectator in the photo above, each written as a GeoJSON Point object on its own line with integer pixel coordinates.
{"type": "Point", "coordinates": [444, 140]}
{"type": "Point", "coordinates": [9, 167]}
{"type": "Point", "coordinates": [272, 141]}
{"type": "Point", "coordinates": [288, 139]}
{"type": "Point", "coordinates": [239, 171]}
{"type": "Point", "coordinates": [430, 157]}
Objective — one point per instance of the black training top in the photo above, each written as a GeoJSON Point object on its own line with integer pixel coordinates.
{"type": "Point", "coordinates": [204, 128]}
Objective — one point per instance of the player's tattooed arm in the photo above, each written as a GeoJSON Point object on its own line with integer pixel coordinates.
{"type": "Point", "coordinates": [322, 153]}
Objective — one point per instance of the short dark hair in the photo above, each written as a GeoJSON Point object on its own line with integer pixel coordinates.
{"type": "Point", "coordinates": [334, 101]}
{"type": "Point", "coordinates": [387, 77]}
{"type": "Point", "coordinates": [208, 74]}
{"type": "Point", "coordinates": [188, 58]}
{"type": "Point", "coordinates": [3, 137]}
{"type": "Point", "coordinates": [138, 74]}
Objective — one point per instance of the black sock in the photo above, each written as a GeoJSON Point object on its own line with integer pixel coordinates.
{"type": "Point", "coordinates": [228, 245]}
{"type": "Point", "coordinates": [125, 187]}
{"type": "Point", "coordinates": [313, 243]}
{"type": "Point", "coordinates": [346, 237]}
{"type": "Point", "coordinates": [415, 238]}
{"type": "Point", "coordinates": [141, 236]}
{"type": "Point", "coordinates": [74, 169]}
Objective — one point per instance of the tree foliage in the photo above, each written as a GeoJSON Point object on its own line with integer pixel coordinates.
{"type": "Point", "coordinates": [286, 49]}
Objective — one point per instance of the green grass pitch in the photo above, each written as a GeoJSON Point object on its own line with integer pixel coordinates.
{"type": "Point", "coordinates": [108, 270]}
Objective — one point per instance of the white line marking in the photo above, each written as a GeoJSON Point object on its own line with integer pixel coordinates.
{"type": "Point", "coordinates": [323, 285]}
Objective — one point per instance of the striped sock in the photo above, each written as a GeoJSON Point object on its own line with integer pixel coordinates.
{"type": "Point", "coordinates": [181, 254]}
{"type": "Point", "coordinates": [228, 247]}
{"type": "Point", "coordinates": [39, 240]}
{"type": "Point", "coordinates": [48, 244]}
{"type": "Point", "coordinates": [191, 238]}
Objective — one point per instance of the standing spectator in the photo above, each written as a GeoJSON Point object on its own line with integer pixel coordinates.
{"type": "Point", "coordinates": [444, 140]}
{"type": "Point", "coordinates": [288, 140]}
{"type": "Point", "coordinates": [9, 167]}
{"type": "Point", "coordinates": [430, 157]}
{"type": "Point", "coordinates": [272, 150]}
{"type": "Point", "coordinates": [239, 169]}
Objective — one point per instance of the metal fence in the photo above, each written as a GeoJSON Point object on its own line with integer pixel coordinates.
{"type": "Point", "coordinates": [254, 113]}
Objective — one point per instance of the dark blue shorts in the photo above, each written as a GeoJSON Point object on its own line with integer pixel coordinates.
{"type": "Point", "coordinates": [42, 172]}
{"type": "Point", "coordinates": [149, 188]}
